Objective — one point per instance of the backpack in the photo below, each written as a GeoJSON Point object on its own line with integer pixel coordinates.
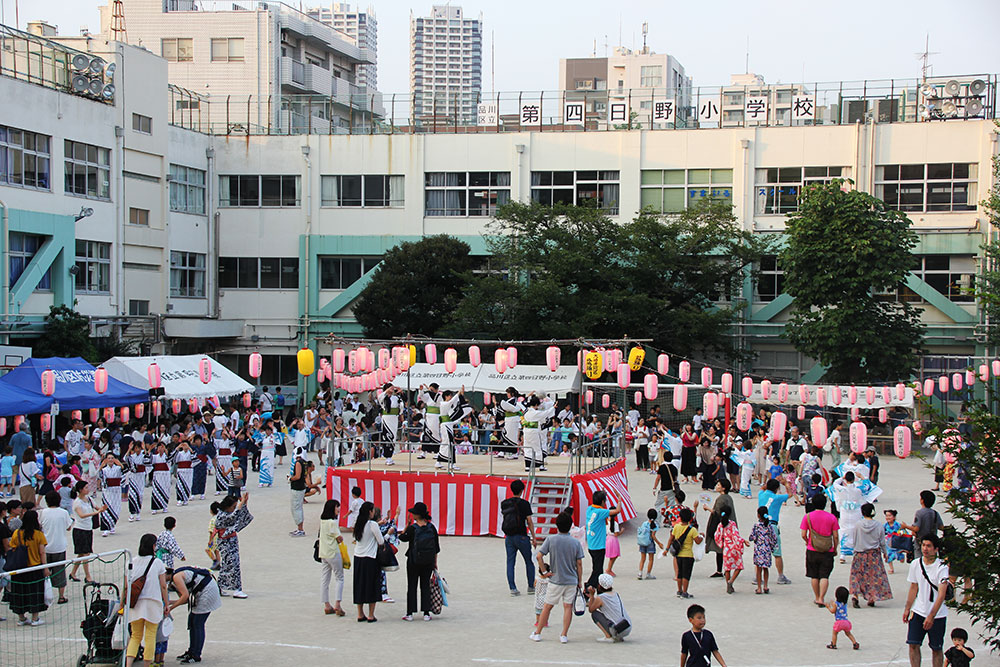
{"type": "Point", "coordinates": [644, 533]}
{"type": "Point", "coordinates": [513, 522]}
{"type": "Point", "coordinates": [425, 546]}
{"type": "Point", "coordinates": [821, 543]}
{"type": "Point", "coordinates": [195, 588]}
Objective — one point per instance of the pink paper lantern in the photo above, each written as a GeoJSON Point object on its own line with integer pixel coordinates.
{"type": "Point", "coordinates": [588, 397]}
{"type": "Point", "coordinates": [205, 370]}
{"type": "Point", "coordinates": [370, 364]}
{"type": "Point", "coordinates": [684, 371]}
{"type": "Point", "coordinates": [800, 412]}
{"type": "Point", "coordinates": [487, 398]}
{"type": "Point", "coordinates": [680, 397]}
{"type": "Point", "coordinates": [727, 383]}
{"type": "Point", "coordinates": [943, 384]}
{"type": "Point", "coordinates": [638, 397]}
{"type": "Point", "coordinates": [650, 386]}
{"type": "Point", "coordinates": [624, 376]}
{"type": "Point", "coordinates": [511, 357]}
{"type": "Point", "coordinates": [320, 374]}
{"type": "Point", "coordinates": [18, 420]}
{"type": "Point", "coordinates": [803, 393]}
{"type": "Point", "coordinates": [76, 414]}
{"type": "Point", "coordinates": [996, 367]}
{"type": "Point", "coordinates": [109, 415]}
{"type": "Point", "coordinates": [361, 356]}
{"type": "Point", "coordinates": [247, 400]}
{"type": "Point", "coordinates": [765, 389]}
{"type": "Point", "coordinates": [900, 391]}
{"type": "Point", "coordinates": [605, 401]}
{"type": "Point", "coordinates": [3, 426]}
{"type": "Point", "coordinates": [663, 364]}
{"type": "Point", "coordinates": [710, 405]}
{"type": "Point", "coordinates": [553, 357]}
{"type": "Point", "coordinates": [48, 384]}
{"type": "Point", "coordinates": [744, 416]}
{"type": "Point", "coordinates": [450, 360]}
{"type": "Point", "coordinates": [101, 380]}
{"type": "Point", "coordinates": [859, 437]}
{"type": "Point", "coordinates": [94, 414]}
{"type": "Point", "coordinates": [192, 405]}
{"type": "Point", "coordinates": [500, 360]}
{"type": "Point", "coordinates": [155, 408]}
{"type": "Point", "coordinates": [902, 441]}
{"type": "Point", "coordinates": [818, 430]}
{"type": "Point", "coordinates": [970, 378]}
{"type": "Point", "coordinates": [337, 362]}
{"type": "Point", "coordinates": [883, 415]}
{"type": "Point", "coordinates": [175, 405]}
{"type": "Point", "coordinates": [430, 353]}
{"type": "Point", "coordinates": [46, 421]}
{"type": "Point", "coordinates": [852, 395]}
{"type": "Point", "coordinates": [855, 414]}
{"type": "Point", "coordinates": [870, 395]}
{"type": "Point", "coordinates": [956, 381]}
{"type": "Point", "coordinates": [124, 414]}
{"type": "Point", "coordinates": [706, 377]}
{"type": "Point", "coordinates": [821, 396]}
{"type": "Point", "coordinates": [352, 361]}
{"type": "Point", "coordinates": [782, 392]}
{"type": "Point", "coordinates": [610, 362]}
{"type": "Point", "coordinates": [928, 387]}
{"type": "Point", "coordinates": [405, 359]}
{"type": "Point", "coordinates": [836, 396]}
{"type": "Point", "coordinates": [383, 357]}
{"type": "Point", "coordinates": [475, 356]}
{"type": "Point", "coordinates": [154, 375]}
{"type": "Point", "coordinates": [984, 372]}
{"type": "Point", "coordinates": [779, 422]}
{"type": "Point", "coordinates": [886, 395]}
{"type": "Point", "coordinates": [747, 386]}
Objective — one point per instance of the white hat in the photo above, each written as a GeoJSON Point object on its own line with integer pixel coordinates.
{"type": "Point", "coordinates": [606, 581]}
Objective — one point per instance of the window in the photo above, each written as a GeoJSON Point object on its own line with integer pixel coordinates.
{"type": "Point", "coordinates": [187, 104]}
{"type": "Point", "coordinates": [177, 49]}
{"type": "Point", "coordinates": [596, 188]}
{"type": "Point", "coordinates": [342, 272]}
{"type": "Point", "coordinates": [259, 273]}
{"type": "Point", "coordinates": [473, 193]}
{"type": "Point", "coordinates": [187, 274]}
{"type": "Point", "coordinates": [770, 279]}
{"type": "Point", "coordinates": [944, 187]}
{"type": "Point", "coordinates": [138, 216]}
{"type": "Point", "coordinates": [251, 191]}
{"type": "Point", "coordinates": [365, 191]}
{"type": "Point", "coordinates": [87, 170]}
{"type": "Point", "coordinates": [781, 364]}
{"type": "Point", "coordinates": [651, 76]}
{"type": "Point", "coordinates": [22, 248]}
{"type": "Point", "coordinates": [187, 189]}
{"type": "Point", "coordinates": [274, 369]}
{"type": "Point", "coordinates": [142, 123]}
{"type": "Point", "coordinates": [138, 307]}
{"type": "Point", "coordinates": [24, 158]}
{"type": "Point", "coordinates": [673, 190]}
{"type": "Point", "coordinates": [93, 263]}
{"type": "Point", "coordinates": [951, 275]}
{"type": "Point", "coordinates": [227, 49]}
{"type": "Point", "coordinates": [777, 189]}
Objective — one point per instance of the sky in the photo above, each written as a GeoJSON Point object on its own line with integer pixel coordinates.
{"type": "Point", "coordinates": [788, 41]}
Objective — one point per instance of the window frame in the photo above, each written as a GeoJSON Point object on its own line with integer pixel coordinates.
{"type": "Point", "coordinates": [18, 255]}
{"type": "Point", "coordinates": [498, 191]}
{"type": "Point", "coordinates": [244, 181]}
{"type": "Point", "coordinates": [135, 305]}
{"type": "Point", "coordinates": [180, 178]}
{"type": "Point", "coordinates": [71, 164]}
{"type": "Point", "coordinates": [138, 216]}
{"type": "Point", "coordinates": [232, 268]}
{"type": "Point", "coordinates": [11, 153]}
{"type": "Point", "coordinates": [89, 263]}
{"type": "Point", "coordinates": [185, 266]}
{"type": "Point", "coordinates": [367, 263]}
{"type": "Point", "coordinates": [926, 184]}
{"type": "Point", "coordinates": [176, 43]}
{"type": "Point", "coordinates": [229, 56]}
{"type": "Point", "coordinates": [330, 199]}
{"type": "Point", "coordinates": [763, 191]}
{"type": "Point", "coordinates": [774, 273]}
{"type": "Point", "coordinates": [140, 120]}
{"type": "Point", "coordinates": [690, 185]}
{"type": "Point", "coordinates": [572, 185]}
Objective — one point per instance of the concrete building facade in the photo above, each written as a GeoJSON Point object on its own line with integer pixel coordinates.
{"type": "Point", "coordinates": [446, 65]}
{"type": "Point", "coordinates": [362, 26]}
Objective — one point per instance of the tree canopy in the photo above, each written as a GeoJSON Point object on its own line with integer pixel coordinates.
{"type": "Point", "coordinates": [66, 334]}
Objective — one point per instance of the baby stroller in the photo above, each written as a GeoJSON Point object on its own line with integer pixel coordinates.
{"type": "Point", "coordinates": [101, 604]}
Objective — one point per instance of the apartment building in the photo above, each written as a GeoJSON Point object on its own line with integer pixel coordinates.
{"type": "Point", "coordinates": [362, 26]}
{"type": "Point", "coordinates": [446, 65]}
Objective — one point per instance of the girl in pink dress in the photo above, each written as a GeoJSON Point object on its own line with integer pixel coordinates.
{"type": "Point", "coordinates": [612, 549]}
{"type": "Point", "coordinates": [728, 535]}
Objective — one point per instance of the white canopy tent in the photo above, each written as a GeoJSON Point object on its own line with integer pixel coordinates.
{"type": "Point", "coordinates": [486, 378]}
{"type": "Point", "coordinates": [179, 376]}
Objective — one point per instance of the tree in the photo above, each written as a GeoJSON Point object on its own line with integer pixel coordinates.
{"type": "Point", "coordinates": [66, 334]}
{"type": "Point", "coordinates": [414, 288]}
{"type": "Point", "coordinates": [568, 271]}
{"type": "Point", "coordinates": [988, 280]}
{"type": "Point", "coordinates": [114, 345]}
{"type": "Point", "coordinates": [845, 250]}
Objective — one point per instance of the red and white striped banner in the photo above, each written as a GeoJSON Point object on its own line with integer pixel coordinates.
{"type": "Point", "coordinates": [613, 480]}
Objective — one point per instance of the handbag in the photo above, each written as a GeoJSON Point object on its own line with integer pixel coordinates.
{"type": "Point", "coordinates": [698, 550]}
{"type": "Point", "coordinates": [386, 558]}
{"type": "Point", "coordinates": [901, 542]}
{"type": "Point", "coordinates": [437, 600]}
{"type": "Point", "coordinates": [624, 624]}
{"type": "Point", "coordinates": [135, 588]}
{"type": "Point", "coordinates": [676, 545]}
{"type": "Point", "coordinates": [316, 551]}
{"type": "Point", "coordinates": [580, 604]}
{"type": "Point", "coordinates": [17, 558]}
{"type": "Point", "coordinates": [49, 593]}
{"type": "Point", "coordinates": [949, 591]}
{"type": "Point", "coordinates": [821, 543]}
{"type": "Point", "coordinates": [345, 557]}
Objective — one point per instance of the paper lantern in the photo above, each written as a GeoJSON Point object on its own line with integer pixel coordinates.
{"type": "Point", "coordinates": [605, 401]}
{"type": "Point", "coordinates": [800, 412]}
{"type": "Point", "coordinates": [610, 361]}
{"type": "Point", "coordinates": [500, 360]}
{"type": "Point", "coordinates": [154, 376]}
{"type": "Point", "coordinates": [663, 364]}
{"type": "Point", "coordinates": [956, 381]}
{"type": "Point", "coordinates": [18, 420]}
{"type": "Point", "coordinates": [124, 414]}
{"type": "Point", "coordinates": [337, 361]}
{"type": "Point", "coordinates": [205, 370]}
{"type": "Point", "coordinates": [765, 389]}
{"type": "Point", "coordinates": [175, 406]}
{"type": "Point", "coordinates": [320, 374]}
{"type": "Point", "coordinates": [855, 414]}
{"type": "Point", "coordinates": [684, 371]}
{"type": "Point", "coordinates": [592, 364]}
{"type": "Point", "coordinates": [3, 426]}
{"type": "Point", "coordinates": [836, 395]}
{"type": "Point", "coordinates": [406, 358]}
{"type": "Point", "coordinates": [859, 437]}
{"type": "Point", "coordinates": [635, 358]}
{"type": "Point", "coordinates": [588, 397]}
{"type": "Point", "coordinates": [706, 377]}
{"type": "Point", "coordinates": [46, 421]}
{"type": "Point", "coordinates": [638, 397]}
{"type": "Point", "coordinates": [413, 355]}
{"type": "Point", "coordinates": [352, 361]}
{"type": "Point", "coordinates": [852, 395]}
{"type": "Point", "coordinates": [94, 414]}
{"type": "Point", "coordinates": [821, 396]}
{"type": "Point", "coordinates": [430, 353]}
{"type": "Point", "coordinates": [48, 383]}
{"type": "Point", "coordinates": [140, 410]}
{"type": "Point", "coordinates": [680, 397]}
{"type": "Point", "coordinates": [76, 414]}
{"type": "Point", "coordinates": [943, 384]}
{"type": "Point", "coordinates": [101, 380]}
{"type": "Point", "coordinates": [928, 387]}
{"type": "Point", "coordinates": [886, 395]}
{"type": "Point", "coordinates": [984, 372]}
{"type": "Point", "coordinates": [727, 383]}
{"type": "Point", "coordinates": [511, 357]}
{"type": "Point", "coordinates": [710, 405]}
{"type": "Point", "coordinates": [996, 367]}
{"type": "Point", "coordinates": [870, 395]}
{"type": "Point", "coordinates": [306, 361]}
{"type": "Point", "coordinates": [450, 360]}
{"type": "Point", "coordinates": [487, 398]}
{"type": "Point", "coordinates": [192, 405]}
{"type": "Point", "coordinates": [779, 422]}
{"type": "Point", "coordinates": [362, 359]}
{"type": "Point", "coordinates": [624, 376]}
{"type": "Point", "coordinates": [782, 392]}
{"type": "Point", "coordinates": [650, 385]}
{"type": "Point", "coordinates": [247, 400]}
{"type": "Point", "coordinates": [883, 415]}
{"type": "Point", "coordinates": [744, 416]}
{"type": "Point", "coordinates": [553, 357]}
{"type": "Point", "coordinates": [803, 394]}
{"type": "Point", "coordinates": [383, 357]}
{"type": "Point", "coordinates": [370, 364]}
{"type": "Point", "coordinates": [155, 408]}
{"type": "Point", "coordinates": [747, 386]}
{"type": "Point", "coordinates": [902, 441]}
{"type": "Point", "coordinates": [818, 430]}
{"type": "Point", "coordinates": [475, 356]}
{"type": "Point", "coordinates": [109, 415]}
{"type": "Point", "coordinates": [900, 391]}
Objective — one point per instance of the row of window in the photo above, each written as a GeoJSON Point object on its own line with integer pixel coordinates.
{"type": "Point", "coordinates": [93, 263]}
{"type": "Point", "coordinates": [25, 161]}
{"type": "Point", "coordinates": [222, 49]}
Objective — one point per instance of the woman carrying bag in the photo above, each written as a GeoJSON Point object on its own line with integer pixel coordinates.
{"type": "Point", "coordinates": [330, 552]}
{"type": "Point", "coordinates": [421, 559]}
{"type": "Point", "coordinates": [85, 516]}
{"type": "Point", "coordinates": [148, 582]}
{"type": "Point", "coordinates": [367, 572]}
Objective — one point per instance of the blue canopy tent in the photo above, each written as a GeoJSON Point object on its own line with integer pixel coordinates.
{"type": "Point", "coordinates": [74, 385]}
{"type": "Point", "coordinates": [16, 402]}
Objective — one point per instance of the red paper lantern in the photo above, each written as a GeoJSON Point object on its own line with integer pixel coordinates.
{"type": "Point", "coordinates": [450, 360]}
{"type": "Point", "coordinates": [140, 410]}
{"type": "Point", "coordinates": [124, 414]}
{"type": "Point", "coordinates": [680, 397]}
{"type": "Point", "coordinates": [727, 383]}
{"type": "Point", "coordinates": [821, 396]}
{"type": "Point", "coordinates": [943, 384]}
{"type": "Point", "coordinates": [928, 387]}
{"type": "Point", "coordinates": [836, 396]}
{"type": "Point", "coordinates": [475, 356]}
{"type": "Point", "coordinates": [684, 371]}
{"type": "Point", "coordinates": [101, 380]}
{"type": "Point", "coordinates": [605, 401]}
{"type": "Point", "coordinates": [154, 375]}
{"type": "Point", "coordinates": [48, 384]}
{"type": "Point", "coordinates": [94, 414]}
{"type": "Point", "coordinates": [818, 429]}
{"type": "Point", "coordinates": [783, 392]}
{"type": "Point", "coordinates": [247, 400]}
{"type": "Point", "coordinates": [706, 377]}
{"type": "Point", "coordinates": [855, 414]}
{"type": "Point", "coordinates": [859, 437]}
{"type": "Point", "coordinates": [900, 391]}
{"type": "Point", "coordinates": [852, 395]}
{"type": "Point", "coordinates": [638, 397]}
{"type": "Point", "coordinates": [662, 364]}
{"type": "Point", "coordinates": [886, 395]}
{"type": "Point", "coordinates": [155, 408]}
{"type": "Point", "coordinates": [588, 396]}
{"type": "Point", "coordinates": [883, 415]}
{"type": "Point", "coordinates": [553, 357]}
{"type": "Point", "coordinates": [109, 415]}
{"type": "Point", "coordinates": [192, 405]}
{"type": "Point", "coordinates": [747, 386]}
{"type": "Point", "coordinates": [803, 394]}
{"type": "Point", "coordinates": [765, 389]}
{"type": "Point", "coordinates": [744, 416]}
{"type": "Point", "coordinates": [984, 372]}
{"type": "Point", "coordinates": [710, 405]}
{"type": "Point", "coordinates": [779, 422]}
{"type": "Point", "coordinates": [18, 420]}
{"type": "Point", "coordinates": [956, 381]}
{"type": "Point", "coordinates": [361, 356]}
{"type": "Point", "coordinates": [337, 362]}
{"type": "Point", "coordinates": [205, 370]}
{"type": "Point", "coordinates": [902, 441]}
{"type": "Point", "coordinates": [870, 395]}
{"type": "Point", "coordinates": [500, 360]}
{"type": "Point", "coordinates": [76, 414]}
{"type": "Point", "coordinates": [624, 376]}
{"type": "Point", "coordinates": [650, 386]}
{"type": "Point", "coordinates": [512, 357]}
{"type": "Point", "coordinates": [46, 421]}
{"type": "Point", "coordinates": [487, 399]}
{"type": "Point", "coordinates": [175, 405]}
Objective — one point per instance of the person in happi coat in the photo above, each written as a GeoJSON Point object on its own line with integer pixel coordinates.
{"type": "Point", "coordinates": [223, 460]}
{"type": "Point", "coordinates": [536, 417]}
{"type": "Point", "coordinates": [160, 498]}
{"type": "Point", "coordinates": [510, 436]}
{"type": "Point", "coordinates": [431, 439]}
{"type": "Point", "coordinates": [110, 473]}
{"type": "Point", "coordinates": [390, 404]}
{"type": "Point", "coordinates": [202, 453]}
{"type": "Point", "coordinates": [135, 463]}
{"type": "Point", "coordinates": [185, 473]}
{"type": "Point", "coordinates": [446, 452]}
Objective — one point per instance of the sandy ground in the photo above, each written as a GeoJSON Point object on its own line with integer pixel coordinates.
{"type": "Point", "coordinates": [283, 620]}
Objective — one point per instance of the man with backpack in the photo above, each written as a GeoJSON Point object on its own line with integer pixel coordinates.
{"type": "Point", "coordinates": [820, 532]}
{"type": "Point", "coordinates": [925, 612]}
{"type": "Point", "coordinates": [519, 535]}
{"type": "Point", "coordinates": [197, 588]}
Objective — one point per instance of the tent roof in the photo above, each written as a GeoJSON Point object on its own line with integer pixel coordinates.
{"type": "Point", "coordinates": [179, 375]}
{"type": "Point", "coordinates": [13, 401]}
{"type": "Point", "coordinates": [74, 385]}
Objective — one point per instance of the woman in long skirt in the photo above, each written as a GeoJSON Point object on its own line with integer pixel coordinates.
{"type": "Point", "coordinates": [689, 454]}
{"type": "Point", "coordinates": [223, 463]}
{"type": "Point", "coordinates": [233, 517]}
{"type": "Point", "coordinates": [868, 577]}
{"type": "Point", "coordinates": [200, 451]}
{"type": "Point", "coordinates": [135, 461]}
{"type": "Point", "coordinates": [110, 473]}
{"type": "Point", "coordinates": [182, 457]}
{"type": "Point", "coordinates": [160, 499]}
{"type": "Point", "coordinates": [267, 460]}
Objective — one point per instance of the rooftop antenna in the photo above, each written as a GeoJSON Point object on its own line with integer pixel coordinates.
{"type": "Point", "coordinates": [118, 32]}
{"type": "Point", "coordinates": [605, 46]}
{"type": "Point", "coordinates": [493, 63]}
{"type": "Point", "coordinates": [926, 56]}
{"type": "Point", "coordinates": [594, 54]}
{"type": "Point", "coordinates": [645, 31]}
{"type": "Point", "coordinates": [619, 28]}
{"type": "Point", "coordinates": [746, 67]}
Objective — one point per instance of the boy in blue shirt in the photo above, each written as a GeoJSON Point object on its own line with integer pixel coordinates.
{"type": "Point", "coordinates": [597, 533]}
{"type": "Point", "coordinates": [7, 472]}
{"type": "Point", "coordinates": [772, 500]}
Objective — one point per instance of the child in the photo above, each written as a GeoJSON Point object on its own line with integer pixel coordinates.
{"type": "Point", "coordinates": [162, 641]}
{"type": "Point", "coordinates": [7, 473]}
{"type": "Point", "coordinates": [212, 550]}
{"type": "Point", "coordinates": [312, 488]}
{"type": "Point", "coordinates": [840, 622]}
{"type": "Point", "coordinates": [65, 489]}
{"type": "Point", "coordinates": [774, 470]}
{"type": "Point", "coordinates": [236, 479]}
{"type": "Point", "coordinates": [816, 488]}
{"type": "Point", "coordinates": [892, 528]}
{"type": "Point", "coordinates": [728, 535]}
{"type": "Point", "coordinates": [958, 655]}
{"type": "Point", "coordinates": [686, 536]}
{"type": "Point", "coordinates": [764, 540]}
{"type": "Point", "coordinates": [791, 482]}
{"type": "Point", "coordinates": [166, 545]}
{"type": "Point", "coordinates": [541, 587]}
{"type": "Point", "coordinates": [645, 535]}
{"type": "Point", "coordinates": [698, 644]}
{"type": "Point", "coordinates": [612, 548]}
{"type": "Point", "coordinates": [355, 506]}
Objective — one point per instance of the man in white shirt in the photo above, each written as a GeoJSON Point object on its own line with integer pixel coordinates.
{"type": "Point", "coordinates": [796, 445]}
{"type": "Point", "coordinates": [565, 413]}
{"type": "Point", "coordinates": [55, 523]}
{"type": "Point", "coordinates": [74, 438]}
{"type": "Point", "coordinates": [633, 418]}
{"type": "Point", "coordinates": [266, 400]}
{"type": "Point", "coordinates": [220, 419]}
{"type": "Point", "coordinates": [925, 612]}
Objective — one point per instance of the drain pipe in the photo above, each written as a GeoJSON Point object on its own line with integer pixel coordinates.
{"type": "Point", "coordinates": [306, 263]}
{"type": "Point", "coordinates": [4, 233]}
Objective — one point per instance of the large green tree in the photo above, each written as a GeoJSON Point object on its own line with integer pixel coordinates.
{"type": "Point", "coordinates": [845, 252]}
{"type": "Point", "coordinates": [414, 288]}
{"type": "Point", "coordinates": [988, 280]}
{"type": "Point", "coordinates": [567, 271]}
{"type": "Point", "coordinates": [66, 334]}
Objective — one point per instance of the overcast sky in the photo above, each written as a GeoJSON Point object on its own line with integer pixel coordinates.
{"type": "Point", "coordinates": [789, 41]}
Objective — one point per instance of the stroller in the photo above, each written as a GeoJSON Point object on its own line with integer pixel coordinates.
{"type": "Point", "coordinates": [101, 605]}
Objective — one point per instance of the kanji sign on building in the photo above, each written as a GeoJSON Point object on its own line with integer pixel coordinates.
{"type": "Point", "coordinates": [487, 113]}
{"type": "Point", "coordinates": [573, 113]}
{"type": "Point", "coordinates": [803, 107]}
{"type": "Point", "coordinates": [708, 110]}
{"type": "Point", "coordinates": [664, 111]}
{"type": "Point", "coordinates": [531, 114]}
{"type": "Point", "coordinates": [755, 108]}
{"type": "Point", "coordinates": [618, 112]}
